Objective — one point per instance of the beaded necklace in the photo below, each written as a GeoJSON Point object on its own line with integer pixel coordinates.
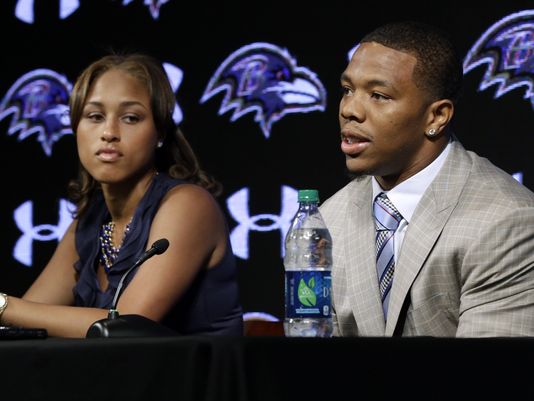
{"type": "Point", "coordinates": [108, 250]}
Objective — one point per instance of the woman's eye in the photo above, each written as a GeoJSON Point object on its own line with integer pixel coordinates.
{"type": "Point", "coordinates": [131, 119]}
{"type": "Point", "coordinates": [94, 117]}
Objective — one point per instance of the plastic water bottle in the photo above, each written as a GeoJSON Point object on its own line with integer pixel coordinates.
{"type": "Point", "coordinates": [307, 264]}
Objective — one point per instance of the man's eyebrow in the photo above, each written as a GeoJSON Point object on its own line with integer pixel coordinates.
{"type": "Point", "coordinates": [380, 82]}
{"type": "Point", "coordinates": [371, 83]}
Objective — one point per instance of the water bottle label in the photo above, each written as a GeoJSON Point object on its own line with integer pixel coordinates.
{"type": "Point", "coordinates": [308, 294]}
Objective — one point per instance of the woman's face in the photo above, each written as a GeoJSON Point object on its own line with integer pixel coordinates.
{"type": "Point", "coordinates": [116, 135]}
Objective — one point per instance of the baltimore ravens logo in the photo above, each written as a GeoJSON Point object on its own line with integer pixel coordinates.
{"type": "Point", "coordinates": [37, 103]}
{"type": "Point", "coordinates": [507, 48]}
{"type": "Point", "coordinates": [264, 79]}
{"type": "Point", "coordinates": [153, 5]}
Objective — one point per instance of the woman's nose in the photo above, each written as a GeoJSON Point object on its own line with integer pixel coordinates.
{"type": "Point", "coordinates": [110, 132]}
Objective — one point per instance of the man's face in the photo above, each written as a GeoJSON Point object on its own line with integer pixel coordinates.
{"type": "Point", "coordinates": [382, 115]}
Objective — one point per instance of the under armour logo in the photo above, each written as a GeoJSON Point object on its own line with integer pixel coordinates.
{"type": "Point", "coordinates": [23, 217]}
{"type": "Point", "coordinates": [238, 205]}
{"type": "Point", "coordinates": [175, 75]}
{"type": "Point", "coordinates": [24, 9]}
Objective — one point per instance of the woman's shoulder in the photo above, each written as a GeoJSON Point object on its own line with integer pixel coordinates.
{"type": "Point", "coordinates": [186, 191]}
{"type": "Point", "coordinates": [189, 198]}
{"type": "Point", "coordinates": [177, 185]}
{"type": "Point", "coordinates": [191, 210]}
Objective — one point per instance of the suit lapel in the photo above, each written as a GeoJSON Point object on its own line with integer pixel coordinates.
{"type": "Point", "coordinates": [361, 256]}
{"type": "Point", "coordinates": [428, 221]}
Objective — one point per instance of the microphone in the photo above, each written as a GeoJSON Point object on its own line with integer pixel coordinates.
{"type": "Point", "coordinates": [131, 325]}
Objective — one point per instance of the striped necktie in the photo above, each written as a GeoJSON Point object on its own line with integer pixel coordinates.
{"type": "Point", "coordinates": [387, 219]}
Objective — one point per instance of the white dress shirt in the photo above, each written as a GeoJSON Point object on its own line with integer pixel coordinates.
{"type": "Point", "coordinates": [407, 195]}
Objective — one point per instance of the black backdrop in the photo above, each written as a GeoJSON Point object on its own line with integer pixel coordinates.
{"type": "Point", "coordinates": [302, 150]}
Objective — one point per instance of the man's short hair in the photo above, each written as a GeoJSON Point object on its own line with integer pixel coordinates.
{"type": "Point", "coordinates": [438, 70]}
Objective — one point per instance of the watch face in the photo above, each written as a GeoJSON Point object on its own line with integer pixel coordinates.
{"type": "Point", "coordinates": [3, 301]}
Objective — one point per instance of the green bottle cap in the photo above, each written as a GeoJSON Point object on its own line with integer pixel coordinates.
{"type": "Point", "coordinates": [308, 195]}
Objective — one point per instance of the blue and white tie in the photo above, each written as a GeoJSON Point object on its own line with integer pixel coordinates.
{"type": "Point", "coordinates": [387, 219]}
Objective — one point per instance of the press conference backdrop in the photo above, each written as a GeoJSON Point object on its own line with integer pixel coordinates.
{"type": "Point", "coordinates": [257, 86]}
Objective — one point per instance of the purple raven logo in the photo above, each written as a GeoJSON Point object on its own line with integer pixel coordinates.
{"type": "Point", "coordinates": [265, 79]}
{"type": "Point", "coordinates": [153, 5]}
{"type": "Point", "coordinates": [37, 103]}
{"type": "Point", "coordinates": [507, 48]}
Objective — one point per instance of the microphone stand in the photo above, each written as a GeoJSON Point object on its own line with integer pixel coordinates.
{"type": "Point", "coordinates": [121, 326]}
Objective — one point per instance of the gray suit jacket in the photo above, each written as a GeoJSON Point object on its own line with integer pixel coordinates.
{"type": "Point", "coordinates": [466, 266]}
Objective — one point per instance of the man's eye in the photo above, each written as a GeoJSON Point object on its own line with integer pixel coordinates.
{"type": "Point", "coordinates": [345, 91]}
{"type": "Point", "coordinates": [379, 96]}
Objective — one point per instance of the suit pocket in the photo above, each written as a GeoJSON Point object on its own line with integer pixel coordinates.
{"type": "Point", "coordinates": [435, 316]}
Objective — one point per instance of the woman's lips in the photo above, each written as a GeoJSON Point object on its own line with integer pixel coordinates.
{"type": "Point", "coordinates": [108, 155]}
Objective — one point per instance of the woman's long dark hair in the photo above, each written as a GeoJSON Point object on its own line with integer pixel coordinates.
{"type": "Point", "coordinates": [175, 157]}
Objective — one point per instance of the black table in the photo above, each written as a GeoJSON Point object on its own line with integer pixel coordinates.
{"type": "Point", "coordinates": [267, 368]}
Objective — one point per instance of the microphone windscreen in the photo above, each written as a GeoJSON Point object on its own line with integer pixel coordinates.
{"type": "Point", "coordinates": [160, 245]}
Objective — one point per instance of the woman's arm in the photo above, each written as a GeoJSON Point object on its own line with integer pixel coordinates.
{"type": "Point", "coordinates": [47, 302]}
{"type": "Point", "coordinates": [54, 284]}
{"type": "Point", "coordinates": [190, 218]}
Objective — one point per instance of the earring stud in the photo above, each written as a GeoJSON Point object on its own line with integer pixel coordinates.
{"type": "Point", "coordinates": [160, 143]}
{"type": "Point", "coordinates": [432, 132]}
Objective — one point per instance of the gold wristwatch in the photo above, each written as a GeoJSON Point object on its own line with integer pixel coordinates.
{"type": "Point", "coordinates": [3, 304]}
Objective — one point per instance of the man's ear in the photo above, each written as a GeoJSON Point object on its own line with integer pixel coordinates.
{"type": "Point", "coordinates": [439, 115]}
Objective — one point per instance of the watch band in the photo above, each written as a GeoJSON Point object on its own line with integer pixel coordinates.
{"type": "Point", "coordinates": [3, 304]}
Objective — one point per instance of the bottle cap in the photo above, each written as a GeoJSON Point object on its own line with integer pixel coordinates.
{"type": "Point", "coordinates": [308, 195]}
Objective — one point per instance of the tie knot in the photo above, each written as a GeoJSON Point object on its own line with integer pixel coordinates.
{"type": "Point", "coordinates": [387, 217]}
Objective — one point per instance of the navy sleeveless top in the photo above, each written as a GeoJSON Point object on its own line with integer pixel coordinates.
{"type": "Point", "coordinates": [210, 305]}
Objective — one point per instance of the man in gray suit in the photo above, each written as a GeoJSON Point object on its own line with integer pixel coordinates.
{"type": "Point", "coordinates": [447, 249]}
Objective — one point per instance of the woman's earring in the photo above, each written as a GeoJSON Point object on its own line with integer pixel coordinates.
{"type": "Point", "coordinates": [160, 143]}
{"type": "Point", "coordinates": [432, 132]}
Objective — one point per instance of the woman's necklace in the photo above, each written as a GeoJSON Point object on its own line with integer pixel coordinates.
{"type": "Point", "coordinates": [108, 250]}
